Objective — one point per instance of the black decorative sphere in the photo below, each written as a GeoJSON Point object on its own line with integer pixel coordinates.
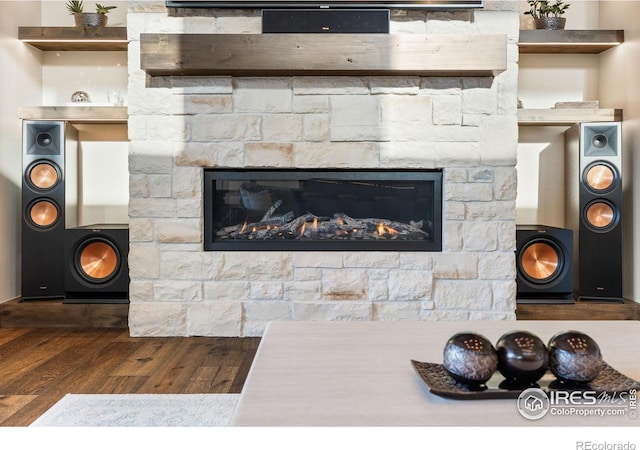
{"type": "Point", "coordinates": [574, 356]}
{"type": "Point", "coordinates": [522, 357]}
{"type": "Point", "coordinates": [470, 358]}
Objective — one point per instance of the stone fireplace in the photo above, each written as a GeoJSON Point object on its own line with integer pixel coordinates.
{"type": "Point", "coordinates": [181, 127]}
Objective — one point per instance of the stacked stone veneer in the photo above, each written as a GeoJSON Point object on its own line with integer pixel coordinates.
{"type": "Point", "coordinates": [178, 125]}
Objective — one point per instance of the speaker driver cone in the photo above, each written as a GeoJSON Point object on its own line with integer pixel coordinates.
{"type": "Point", "coordinates": [98, 261]}
{"type": "Point", "coordinates": [540, 262]}
{"type": "Point", "coordinates": [44, 139]}
{"type": "Point", "coordinates": [600, 215]}
{"type": "Point", "coordinates": [43, 175]}
{"type": "Point", "coordinates": [43, 213]}
{"type": "Point", "coordinates": [599, 141]}
{"type": "Point", "coordinates": [600, 177]}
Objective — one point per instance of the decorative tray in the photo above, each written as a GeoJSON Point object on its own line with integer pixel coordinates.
{"type": "Point", "coordinates": [440, 383]}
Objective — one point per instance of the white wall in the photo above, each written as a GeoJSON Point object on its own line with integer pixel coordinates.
{"type": "Point", "coordinates": [103, 160]}
{"type": "Point", "coordinates": [540, 166]}
{"type": "Point", "coordinates": [620, 86]}
{"type": "Point", "coordinates": [95, 73]}
{"type": "Point", "coordinates": [20, 83]}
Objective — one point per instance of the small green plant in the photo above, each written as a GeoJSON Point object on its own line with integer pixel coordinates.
{"type": "Point", "coordinates": [75, 6]}
{"type": "Point", "coordinates": [100, 9]}
{"type": "Point", "coordinates": [544, 8]}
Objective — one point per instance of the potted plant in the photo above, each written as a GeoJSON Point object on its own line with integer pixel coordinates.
{"type": "Point", "coordinates": [547, 15]}
{"type": "Point", "coordinates": [88, 19]}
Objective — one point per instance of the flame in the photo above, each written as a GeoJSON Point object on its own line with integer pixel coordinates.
{"type": "Point", "coordinates": [314, 226]}
{"type": "Point", "coordinates": [244, 227]}
{"type": "Point", "coordinates": [339, 221]}
{"type": "Point", "coordinates": [303, 228]}
{"type": "Point", "coordinates": [383, 229]}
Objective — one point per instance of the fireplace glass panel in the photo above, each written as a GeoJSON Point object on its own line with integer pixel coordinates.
{"type": "Point", "coordinates": [323, 210]}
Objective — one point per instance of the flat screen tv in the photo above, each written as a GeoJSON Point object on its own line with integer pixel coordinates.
{"type": "Point", "coordinates": [328, 4]}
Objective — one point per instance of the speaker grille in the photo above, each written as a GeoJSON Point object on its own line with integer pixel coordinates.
{"type": "Point", "coordinates": [97, 260]}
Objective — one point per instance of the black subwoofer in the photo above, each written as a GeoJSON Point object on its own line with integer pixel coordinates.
{"type": "Point", "coordinates": [594, 208]}
{"type": "Point", "coordinates": [96, 264]}
{"type": "Point", "coordinates": [544, 260]}
{"type": "Point", "coordinates": [45, 212]}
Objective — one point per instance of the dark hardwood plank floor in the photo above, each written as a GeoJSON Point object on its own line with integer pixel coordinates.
{"type": "Point", "coordinates": [38, 366]}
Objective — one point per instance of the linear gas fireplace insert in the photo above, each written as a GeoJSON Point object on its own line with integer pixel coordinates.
{"type": "Point", "coordinates": [341, 210]}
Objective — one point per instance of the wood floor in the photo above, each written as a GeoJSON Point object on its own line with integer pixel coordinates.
{"type": "Point", "coordinates": [38, 366]}
{"type": "Point", "coordinates": [49, 349]}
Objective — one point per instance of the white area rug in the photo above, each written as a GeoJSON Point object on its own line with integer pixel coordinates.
{"type": "Point", "coordinates": [140, 410]}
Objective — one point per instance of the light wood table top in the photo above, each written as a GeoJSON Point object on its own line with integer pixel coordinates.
{"type": "Point", "coordinates": [360, 374]}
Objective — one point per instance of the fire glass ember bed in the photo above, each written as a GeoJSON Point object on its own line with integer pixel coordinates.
{"type": "Point", "coordinates": [322, 210]}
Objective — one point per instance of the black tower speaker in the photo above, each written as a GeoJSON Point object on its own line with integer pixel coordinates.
{"type": "Point", "coordinates": [46, 148]}
{"type": "Point", "coordinates": [593, 208]}
{"type": "Point", "coordinates": [325, 20]}
{"type": "Point", "coordinates": [544, 260]}
{"type": "Point", "coordinates": [96, 264]}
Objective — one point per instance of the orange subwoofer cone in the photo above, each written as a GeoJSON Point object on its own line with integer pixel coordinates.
{"type": "Point", "coordinates": [540, 261]}
{"type": "Point", "coordinates": [600, 215]}
{"type": "Point", "coordinates": [43, 213]}
{"type": "Point", "coordinates": [98, 261]}
{"type": "Point", "coordinates": [600, 177]}
{"type": "Point", "coordinates": [43, 176]}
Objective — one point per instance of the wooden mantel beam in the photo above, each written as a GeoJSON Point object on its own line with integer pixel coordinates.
{"type": "Point", "coordinates": [313, 54]}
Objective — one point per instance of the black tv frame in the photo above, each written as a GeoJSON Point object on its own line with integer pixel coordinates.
{"type": "Point", "coordinates": [329, 4]}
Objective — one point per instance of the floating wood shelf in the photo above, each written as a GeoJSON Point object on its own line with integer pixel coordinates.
{"type": "Point", "coordinates": [75, 38]}
{"type": "Point", "coordinates": [312, 54]}
{"type": "Point", "coordinates": [76, 114]}
{"type": "Point", "coordinates": [569, 41]}
{"type": "Point", "coordinates": [56, 314]}
{"type": "Point", "coordinates": [628, 310]}
{"type": "Point", "coordinates": [567, 116]}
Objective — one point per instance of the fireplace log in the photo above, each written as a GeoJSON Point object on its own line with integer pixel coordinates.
{"type": "Point", "coordinates": [271, 210]}
{"type": "Point", "coordinates": [275, 221]}
{"type": "Point", "coordinates": [310, 226]}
